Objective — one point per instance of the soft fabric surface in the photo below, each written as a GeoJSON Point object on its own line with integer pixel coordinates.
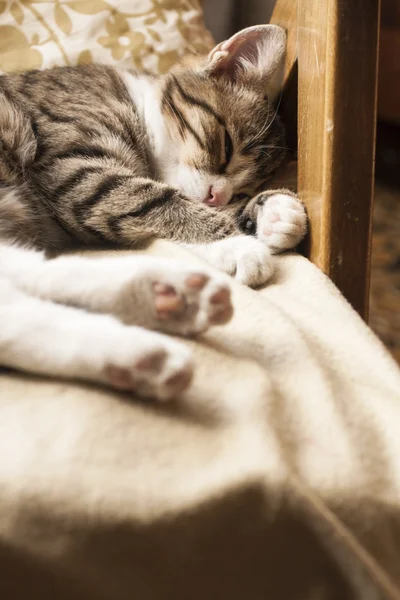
{"type": "Point", "coordinates": [276, 476]}
{"type": "Point", "coordinates": [145, 34]}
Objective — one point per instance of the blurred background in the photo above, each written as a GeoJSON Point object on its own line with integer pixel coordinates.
{"type": "Point", "coordinates": [224, 17]}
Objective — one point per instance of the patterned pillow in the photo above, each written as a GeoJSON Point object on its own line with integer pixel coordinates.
{"type": "Point", "coordinates": [145, 34]}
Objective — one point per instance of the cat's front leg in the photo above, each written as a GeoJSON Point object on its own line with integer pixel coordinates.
{"type": "Point", "coordinates": [274, 221]}
{"type": "Point", "coordinates": [243, 257]}
{"type": "Point", "coordinates": [278, 218]}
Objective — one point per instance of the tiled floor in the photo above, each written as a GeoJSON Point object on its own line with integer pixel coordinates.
{"type": "Point", "coordinates": [385, 274]}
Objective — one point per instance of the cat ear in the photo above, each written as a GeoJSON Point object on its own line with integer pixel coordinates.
{"type": "Point", "coordinates": [253, 55]}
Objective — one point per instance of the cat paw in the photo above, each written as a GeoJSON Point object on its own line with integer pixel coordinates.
{"type": "Point", "coordinates": [190, 302]}
{"type": "Point", "coordinates": [177, 299]}
{"type": "Point", "coordinates": [243, 257]}
{"type": "Point", "coordinates": [281, 221]}
{"type": "Point", "coordinates": [148, 364]}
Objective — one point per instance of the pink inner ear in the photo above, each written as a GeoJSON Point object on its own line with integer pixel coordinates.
{"type": "Point", "coordinates": [228, 54]}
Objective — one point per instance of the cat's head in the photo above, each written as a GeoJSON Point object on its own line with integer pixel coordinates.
{"type": "Point", "coordinates": [221, 117]}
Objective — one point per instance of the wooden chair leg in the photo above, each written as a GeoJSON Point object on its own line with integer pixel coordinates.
{"type": "Point", "coordinates": [337, 47]}
{"type": "Point", "coordinates": [285, 15]}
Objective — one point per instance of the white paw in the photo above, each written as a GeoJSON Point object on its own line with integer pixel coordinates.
{"type": "Point", "coordinates": [190, 302]}
{"type": "Point", "coordinates": [281, 222]}
{"type": "Point", "coordinates": [243, 257]}
{"type": "Point", "coordinates": [175, 298]}
{"type": "Point", "coordinates": [147, 363]}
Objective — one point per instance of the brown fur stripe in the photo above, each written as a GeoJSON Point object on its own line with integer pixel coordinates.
{"type": "Point", "coordinates": [56, 118]}
{"type": "Point", "coordinates": [108, 185]}
{"type": "Point", "coordinates": [158, 202]}
{"type": "Point", "coordinates": [73, 181]}
{"type": "Point", "coordinates": [84, 153]}
{"type": "Point", "coordinates": [192, 101]}
{"type": "Point", "coordinates": [184, 127]}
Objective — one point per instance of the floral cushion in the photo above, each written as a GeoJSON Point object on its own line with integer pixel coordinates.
{"type": "Point", "coordinates": [145, 34]}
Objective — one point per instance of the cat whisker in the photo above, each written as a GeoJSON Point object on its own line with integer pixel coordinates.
{"type": "Point", "coordinates": [268, 125]}
{"type": "Point", "coordinates": [273, 147]}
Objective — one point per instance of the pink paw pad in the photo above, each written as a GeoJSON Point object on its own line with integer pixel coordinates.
{"type": "Point", "coordinates": [152, 362]}
{"type": "Point", "coordinates": [222, 296]}
{"type": "Point", "coordinates": [167, 300]}
{"type": "Point", "coordinates": [223, 309]}
{"type": "Point", "coordinates": [119, 378]}
{"type": "Point", "coordinates": [180, 380]}
{"type": "Point", "coordinates": [196, 281]}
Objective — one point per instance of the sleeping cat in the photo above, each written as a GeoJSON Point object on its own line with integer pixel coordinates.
{"type": "Point", "coordinates": [90, 155]}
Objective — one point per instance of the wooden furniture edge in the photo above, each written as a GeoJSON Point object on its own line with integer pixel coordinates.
{"type": "Point", "coordinates": [336, 46]}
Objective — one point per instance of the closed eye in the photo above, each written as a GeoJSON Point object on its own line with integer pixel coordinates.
{"type": "Point", "coordinates": [228, 147]}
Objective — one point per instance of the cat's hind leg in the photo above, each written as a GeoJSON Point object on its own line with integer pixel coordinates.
{"type": "Point", "coordinates": [163, 294]}
{"type": "Point", "coordinates": [176, 298]}
{"type": "Point", "coordinates": [49, 339]}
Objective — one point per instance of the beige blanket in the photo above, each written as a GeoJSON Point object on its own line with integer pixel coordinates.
{"type": "Point", "coordinates": [276, 477]}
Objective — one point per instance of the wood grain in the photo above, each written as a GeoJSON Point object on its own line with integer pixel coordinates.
{"type": "Point", "coordinates": [285, 15]}
{"type": "Point", "coordinates": [337, 56]}
{"type": "Point", "coordinates": [336, 46]}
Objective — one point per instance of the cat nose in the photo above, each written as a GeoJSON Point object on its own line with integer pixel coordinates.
{"type": "Point", "coordinates": [216, 198]}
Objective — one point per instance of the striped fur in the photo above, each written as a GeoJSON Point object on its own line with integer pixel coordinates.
{"type": "Point", "coordinates": [89, 154]}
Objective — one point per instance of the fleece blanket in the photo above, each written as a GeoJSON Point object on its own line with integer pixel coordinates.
{"type": "Point", "coordinates": [277, 475]}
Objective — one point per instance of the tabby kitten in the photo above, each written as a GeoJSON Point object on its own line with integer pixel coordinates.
{"type": "Point", "coordinates": [91, 155]}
